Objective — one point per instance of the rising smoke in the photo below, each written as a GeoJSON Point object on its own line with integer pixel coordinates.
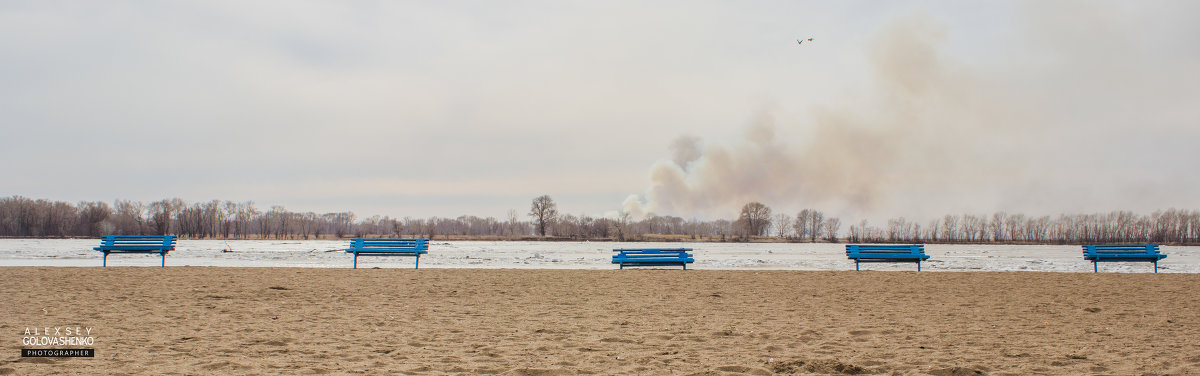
{"type": "Point", "coordinates": [933, 138]}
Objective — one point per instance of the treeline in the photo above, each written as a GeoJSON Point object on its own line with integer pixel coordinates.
{"type": "Point", "coordinates": [1170, 226]}
{"type": "Point", "coordinates": [28, 218]}
{"type": "Point", "coordinates": [24, 217]}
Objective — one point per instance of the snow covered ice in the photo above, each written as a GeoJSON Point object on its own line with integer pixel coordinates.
{"type": "Point", "coordinates": [581, 255]}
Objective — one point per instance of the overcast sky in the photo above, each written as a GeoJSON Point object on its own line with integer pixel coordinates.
{"type": "Point", "coordinates": [685, 108]}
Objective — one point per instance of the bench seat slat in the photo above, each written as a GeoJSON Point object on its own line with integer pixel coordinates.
{"type": "Point", "coordinates": [650, 263]}
{"type": "Point", "coordinates": [637, 257]}
{"type": "Point", "coordinates": [888, 257]}
{"type": "Point", "coordinates": [389, 253]}
{"type": "Point", "coordinates": [395, 245]}
{"type": "Point", "coordinates": [131, 248]}
{"type": "Point", "coordinates": [653, 259]}
{"type": "Point", "coordinates": [381, 251]}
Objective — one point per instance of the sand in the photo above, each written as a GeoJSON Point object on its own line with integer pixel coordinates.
{"type": "Point", "coordinates": [207, 320]}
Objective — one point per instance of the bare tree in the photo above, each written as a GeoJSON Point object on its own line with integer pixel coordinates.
{"type": "Point", "coordinates": [896, 229]}
{"type": "Point", "coordinates": [228, 218]}
{"type": "Point", "coordinates": [544, 211]}
{"type": "Point", "coordinates": [996, 226]}
{"type": "Point", "coordinates": [755, 217]}
{"type": "Point", "coordinates": [514, 220]}
{"type": "Point", "coordinates": [863, 232]}
{"type": "Point", "coordinates": [831, 227]}
{"type": "Point", "coordinates": [621, 225]}
{"type": "Point", "coordinates": [160, 216]}
{"type": "Point", "coordinates": [781, 223]}
{"type": "Point", "coordinates": [801, 223]}
{"type": "Point", "coordinates": [128, 217]}
{"type": "Point", "coordinates": [950, 227]}
{"type": "Point", "coordinates": [971, 227]}
{"type": "Point", "coordinates": [815, 219]}
{"type": "Point", "coordinates": [59, 218]}
{"type": "Point", "coordinates": [92, 216]}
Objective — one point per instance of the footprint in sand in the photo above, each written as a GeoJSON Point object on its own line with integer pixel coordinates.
{"type": "Point", "coordinates": [956, 371]}
{"type": "Point", "coordinates": [744, 370]}
{"type": "Point", "coordinates": [539, 372]}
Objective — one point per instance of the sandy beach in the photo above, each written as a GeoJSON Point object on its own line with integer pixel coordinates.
{"type": "Point", "coordinates": [209, 320]}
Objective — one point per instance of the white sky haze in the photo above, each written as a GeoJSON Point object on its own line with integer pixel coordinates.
{"type": "Point", "coordinates": [430, 108]}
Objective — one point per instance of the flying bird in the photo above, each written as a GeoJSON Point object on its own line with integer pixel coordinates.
{"type": "Point", "coordinates": [801, 42]}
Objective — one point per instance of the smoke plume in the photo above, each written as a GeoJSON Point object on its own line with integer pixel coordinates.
{"type": "Point", "coordinates": [936, 137]}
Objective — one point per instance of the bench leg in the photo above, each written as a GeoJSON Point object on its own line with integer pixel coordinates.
{"type": "Point", "coordinates": [685, 266]}
{"type": "Point", "coordinates": [418, 263]}
{"type": "Point", "coordinates": [164, 260]}
{"type": "Point", "coordinates": [918, 266]}
{"type": "Point", "coordinates": [856, 265]}
{"type": "Point", "coordinates": [356, 260]}
{"type": "Point", "coordinates": [621, 266]}
{"type": "Point", "coordinates": [1095, 269]}
{"type": "Point", "coordinates": [1156, 266]}
{"type": "Point", "coordinates": [104, 263]}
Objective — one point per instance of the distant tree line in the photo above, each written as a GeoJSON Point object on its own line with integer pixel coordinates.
{"type": "Point", "coordinates": [28, 218]}
{"type": "Point", "coordinates": [1170, 226]}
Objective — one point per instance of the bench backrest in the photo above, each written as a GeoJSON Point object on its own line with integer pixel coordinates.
{"type": "Point", "coordinates": [1120, 250]}
{"type": "Point", "coordinates": [651, 250]}
{"type": "Point", "coordinates": [389, 244]}
{"type": "Point", "coordinates": [884, 250]}
{"type": "Point", "coordinates": [138, 242]}
{"type": "Point", "coordinates": [649, 254]}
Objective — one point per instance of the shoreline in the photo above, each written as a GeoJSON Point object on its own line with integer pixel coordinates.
{"type": "Point", "coordinates": [650, 238]}
{"type": "Point", "coordinates": [735, 270]}
{"type": "Point", "coordinates": [581, 255]}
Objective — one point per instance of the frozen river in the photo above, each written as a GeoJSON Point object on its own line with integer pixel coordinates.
{"type": "Point", "coordinates": [579, 255]}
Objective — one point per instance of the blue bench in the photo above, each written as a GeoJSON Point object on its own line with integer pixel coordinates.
{"type": "Point", "coordinates": [652, 257]}
{"type": "Point", "coordinates": [886, 253]}
{"type": "Point", "coordinates": [388, 247]}
{"type": "Point", "coordinates": [1122, 252]}
{"type": "Point", "coordinates": [160, 244]}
